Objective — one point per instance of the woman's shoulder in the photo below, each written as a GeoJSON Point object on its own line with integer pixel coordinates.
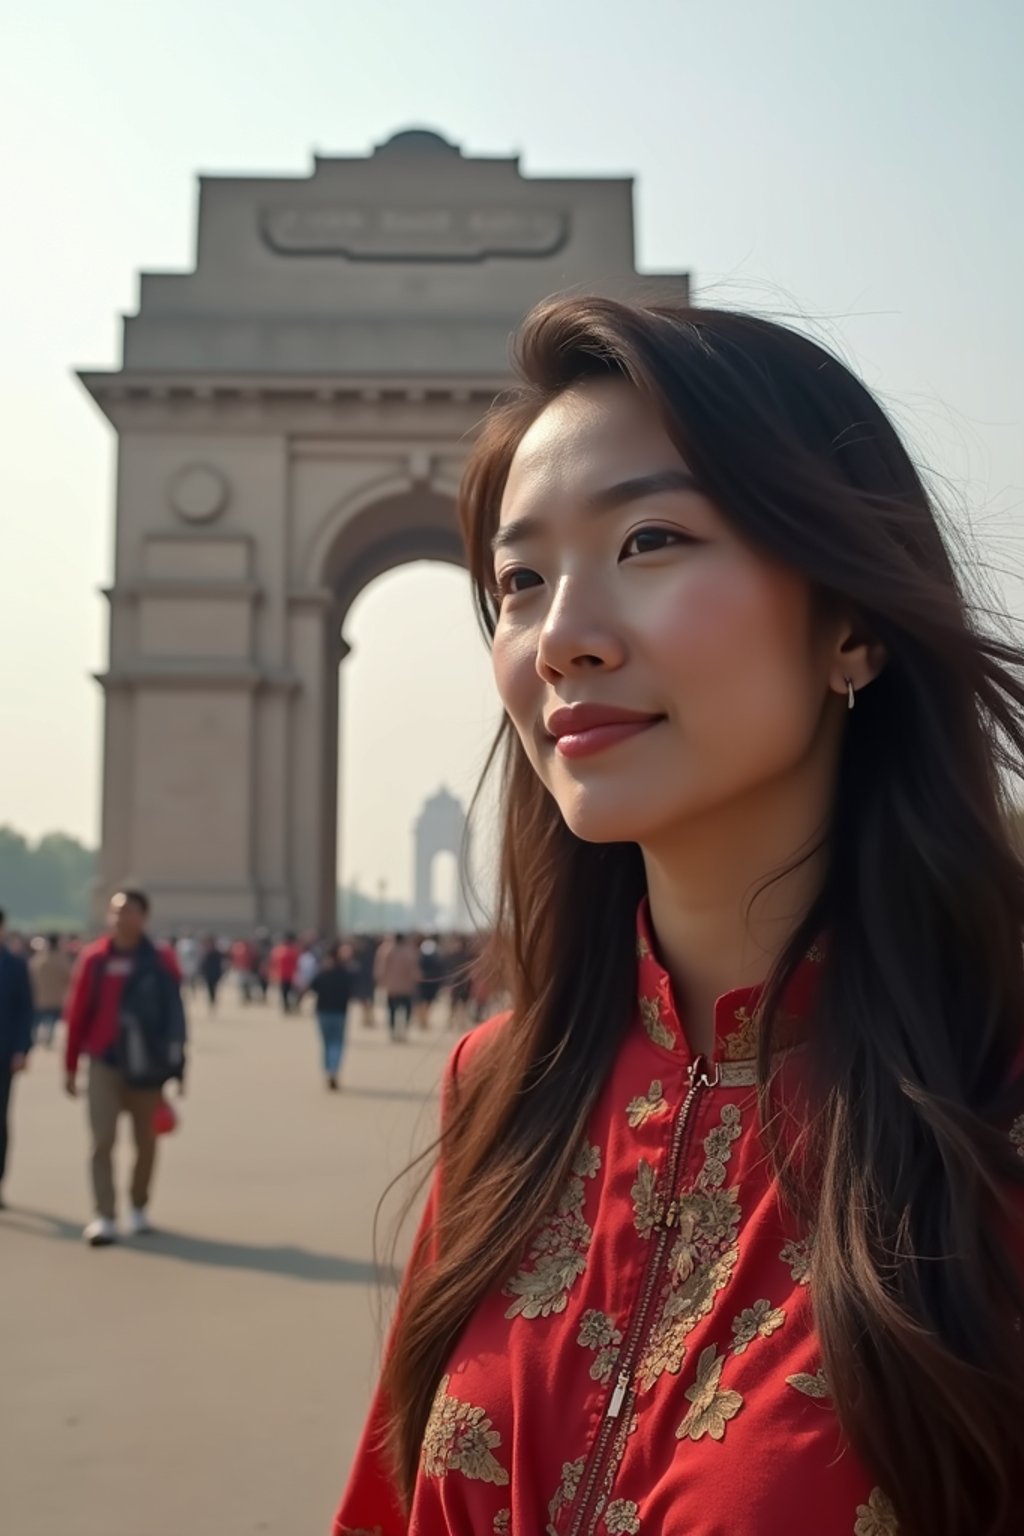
{"type": "Point", "coordinates": [473, 1046]}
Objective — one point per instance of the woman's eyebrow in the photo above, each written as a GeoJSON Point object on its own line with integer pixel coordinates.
{"type": "Point", "coordinates": [607, 500]}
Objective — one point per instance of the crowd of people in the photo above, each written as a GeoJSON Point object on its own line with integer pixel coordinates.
{"type": "Point", "coordinates": [398, 977]}
{"type": "Point", "coordinates": [120, 998]}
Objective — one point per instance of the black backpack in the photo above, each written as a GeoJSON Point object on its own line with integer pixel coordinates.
{"type": "Point", "coordinates": [151, 1031]}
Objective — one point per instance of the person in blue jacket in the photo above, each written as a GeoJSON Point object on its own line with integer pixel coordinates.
{"type": "Point", "coordinates": [16, 1014]}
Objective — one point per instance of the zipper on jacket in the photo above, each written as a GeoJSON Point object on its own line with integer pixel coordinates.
{"type": "Point", "coordinates": [703, 1074]}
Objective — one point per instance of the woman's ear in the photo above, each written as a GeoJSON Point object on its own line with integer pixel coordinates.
{"type": "Point", "coordinates": [857, 660]}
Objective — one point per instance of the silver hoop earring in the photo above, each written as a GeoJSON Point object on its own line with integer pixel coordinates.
{"type": "Point", "coordinates": [851, 697]}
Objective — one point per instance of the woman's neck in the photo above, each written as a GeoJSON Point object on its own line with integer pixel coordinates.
{"type": "Point", "coordinates": [726, 894]}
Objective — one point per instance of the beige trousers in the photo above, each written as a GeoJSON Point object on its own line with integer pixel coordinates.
{"type": "Point", "coordinates": [109, 1096]}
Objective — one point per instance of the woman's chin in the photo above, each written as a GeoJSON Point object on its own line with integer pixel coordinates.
{"type": "Point", "coordinates": [594, 820]}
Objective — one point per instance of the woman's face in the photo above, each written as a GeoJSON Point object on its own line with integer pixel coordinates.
{"type": "Point", "coordinates": [655, 667]}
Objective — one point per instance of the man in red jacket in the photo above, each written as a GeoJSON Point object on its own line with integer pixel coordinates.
{"type": "Point", "coordinates": [100, 1028]}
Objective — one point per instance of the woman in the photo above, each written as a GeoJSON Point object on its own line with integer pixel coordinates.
{"type": "Point", "coordinates": [726, 1238]}
{"type": "Point", "coordinates": [332, 988]}
{"type": "Point", "coordinates": [50, 971]}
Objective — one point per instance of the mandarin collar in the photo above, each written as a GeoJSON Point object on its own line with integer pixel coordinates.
{"type": "Point", "coordinates": [736, 1023]}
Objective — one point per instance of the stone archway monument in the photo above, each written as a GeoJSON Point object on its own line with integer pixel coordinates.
{"type": "Point", "coordinates": [441, 827]}
{"type": "Point", "coordinates": [292, 418]}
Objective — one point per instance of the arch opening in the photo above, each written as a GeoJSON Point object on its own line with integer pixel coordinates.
{"type": "Point", "coordinates": [410, 709]}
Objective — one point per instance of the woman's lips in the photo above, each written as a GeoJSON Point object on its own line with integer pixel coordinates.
{"type": "Point", "coordinates": [582, 730]}
{"type": "Point", "coordinates": [600, 737]}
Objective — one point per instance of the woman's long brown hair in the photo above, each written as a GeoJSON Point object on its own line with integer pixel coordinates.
{"type": "Point", "coordinates": [920, 1016]}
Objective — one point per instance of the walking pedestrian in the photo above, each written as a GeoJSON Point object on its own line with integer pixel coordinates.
{"type": "Point", "coordinates": [15, 1035]}
{"type": "Point", "coordinates": [50, 971]}
{"type": "Point", "coordinates": [261, 949]}
{"type": "Point", "coordinates": [364, 987]}
{"type": "Point", "coordinates": [727, 1236]}
{"type": "Point", "coordinates": [332, 988]}
{"type": "Point", "coordinates": [125, 1014]}
{"type": "Point", "coordinates": [284, 962]}
{"type": "Point", "coordinates": [397, 971]}
{"type": "Point", "coordinates": [308, 962]}
{"type": "Point", "coordinates": [431, 977]}
{"type": "Point", "coordinates": [187, 951]}
{"type": "Point", "coordinates": [243, 966]}
{"type": "Point", "coordinates": [461, 959]}
{"type": "Point", "coordinates": [211, 969]}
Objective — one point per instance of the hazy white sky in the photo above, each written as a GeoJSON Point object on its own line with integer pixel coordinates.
{"type": "Point", "coordinates": [859, 166]}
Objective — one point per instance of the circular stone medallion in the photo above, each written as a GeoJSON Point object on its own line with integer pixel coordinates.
{"type": "Point", "coordinates": [198, 493]}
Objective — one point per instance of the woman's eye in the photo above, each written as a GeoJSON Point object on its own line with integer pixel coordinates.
{"type": "Point", "coordinates": [647, 541]}
{"type": "Point", "coordinates": [516, 579]}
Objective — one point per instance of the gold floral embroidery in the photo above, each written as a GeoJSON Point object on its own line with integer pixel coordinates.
{"type": "Point", "coordinates": [712, 1407]}
{"type": "Point", "coordinates": [718, 1147]}
{"type": "Point", "coordinates": [640, 1110]}
{"type": "Point", "coordinates": [797, 1255]}
{"type": "Point", "coordinates": [1017, 1135]}
{"type": "Point", "coordinates": [643, 949]}
{"type": "Point", "coordinates": [651, 1017]}
{"type": "Point", "coordinates": [621, 1518]}
{"type": "Point", "coordinates": [759, 1321]}
{"type": "Point", "coordinates": [741, 1045]}
{"type": "Point", "coordinates": [566, 1491]}
{"type": "Point", "coordinates": [737, 1074]}
{"type": "Point", "coordinates": [558, 1252]}
{"type": "Point", "coordinates": [810, 1386]}
{"type": "Point", "coordinates": [502, 1523]}
{"type": "Point", "coordinates": [815, 954]}
{"type": "Point", "coordinates": [646, 1200]}
{"type": "Point", "coordinates": [703, 1255]}
{"type": "Point", "coordinates": [460, 1438]}
{"type": "Point", "coordinates": [598, 1332]}
{"type": "Point", "coordinates": [877, 1517]}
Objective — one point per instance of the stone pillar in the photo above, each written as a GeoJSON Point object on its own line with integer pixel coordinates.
{"type": "Point", "coordinates": [312, 754]}
{"type": "Point", "coordinates": [177, 805]}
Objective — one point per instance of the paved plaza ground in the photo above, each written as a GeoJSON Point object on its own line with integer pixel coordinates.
{"type": "Point", "coordinates": [210, 1380]}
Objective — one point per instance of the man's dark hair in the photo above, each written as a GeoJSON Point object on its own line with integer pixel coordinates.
{"type": "Point", "coordinates": [137, 898]}
{"type": "Point", "coordinates": [3, 917]}
{"type": "Point", "coordinates": [54, 941]}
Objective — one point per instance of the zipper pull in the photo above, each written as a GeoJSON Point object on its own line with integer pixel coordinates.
{"type": "Point", "coordinates": [704, 1073]}
{"type": "Point", "coordinates": [618, 1396]}
{"type": "Point", "coordinates": [672, 1214]}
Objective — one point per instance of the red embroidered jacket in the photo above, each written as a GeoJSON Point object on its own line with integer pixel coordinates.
{"type": "Point", "coordinates": [652, 1368]}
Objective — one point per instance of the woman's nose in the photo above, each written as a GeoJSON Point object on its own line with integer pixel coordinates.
{"type": "Point", "coordinates": [577, 636]}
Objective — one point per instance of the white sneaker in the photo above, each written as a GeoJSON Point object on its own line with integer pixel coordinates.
{"type": "Point", "coordinates": [100, 1233]}
{"type": "Point", "coordinates": [138, 1222]}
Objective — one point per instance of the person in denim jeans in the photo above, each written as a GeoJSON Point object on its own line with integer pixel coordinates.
{"type": "Point", "coordinates": [332, 988]}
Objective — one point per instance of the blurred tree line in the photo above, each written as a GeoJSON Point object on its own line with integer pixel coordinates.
{"type": "Point", "coordinates": [47, 884]}
{"type": "Point", "coordinates": [359, 913]}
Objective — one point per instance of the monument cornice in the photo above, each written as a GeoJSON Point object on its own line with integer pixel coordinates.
{"type": "Point", "coordinates": [329, 403]}
{"type": "Point", "coordinates": [207, 674]}
{"type": "Point", "coordinates": [190, 589]}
